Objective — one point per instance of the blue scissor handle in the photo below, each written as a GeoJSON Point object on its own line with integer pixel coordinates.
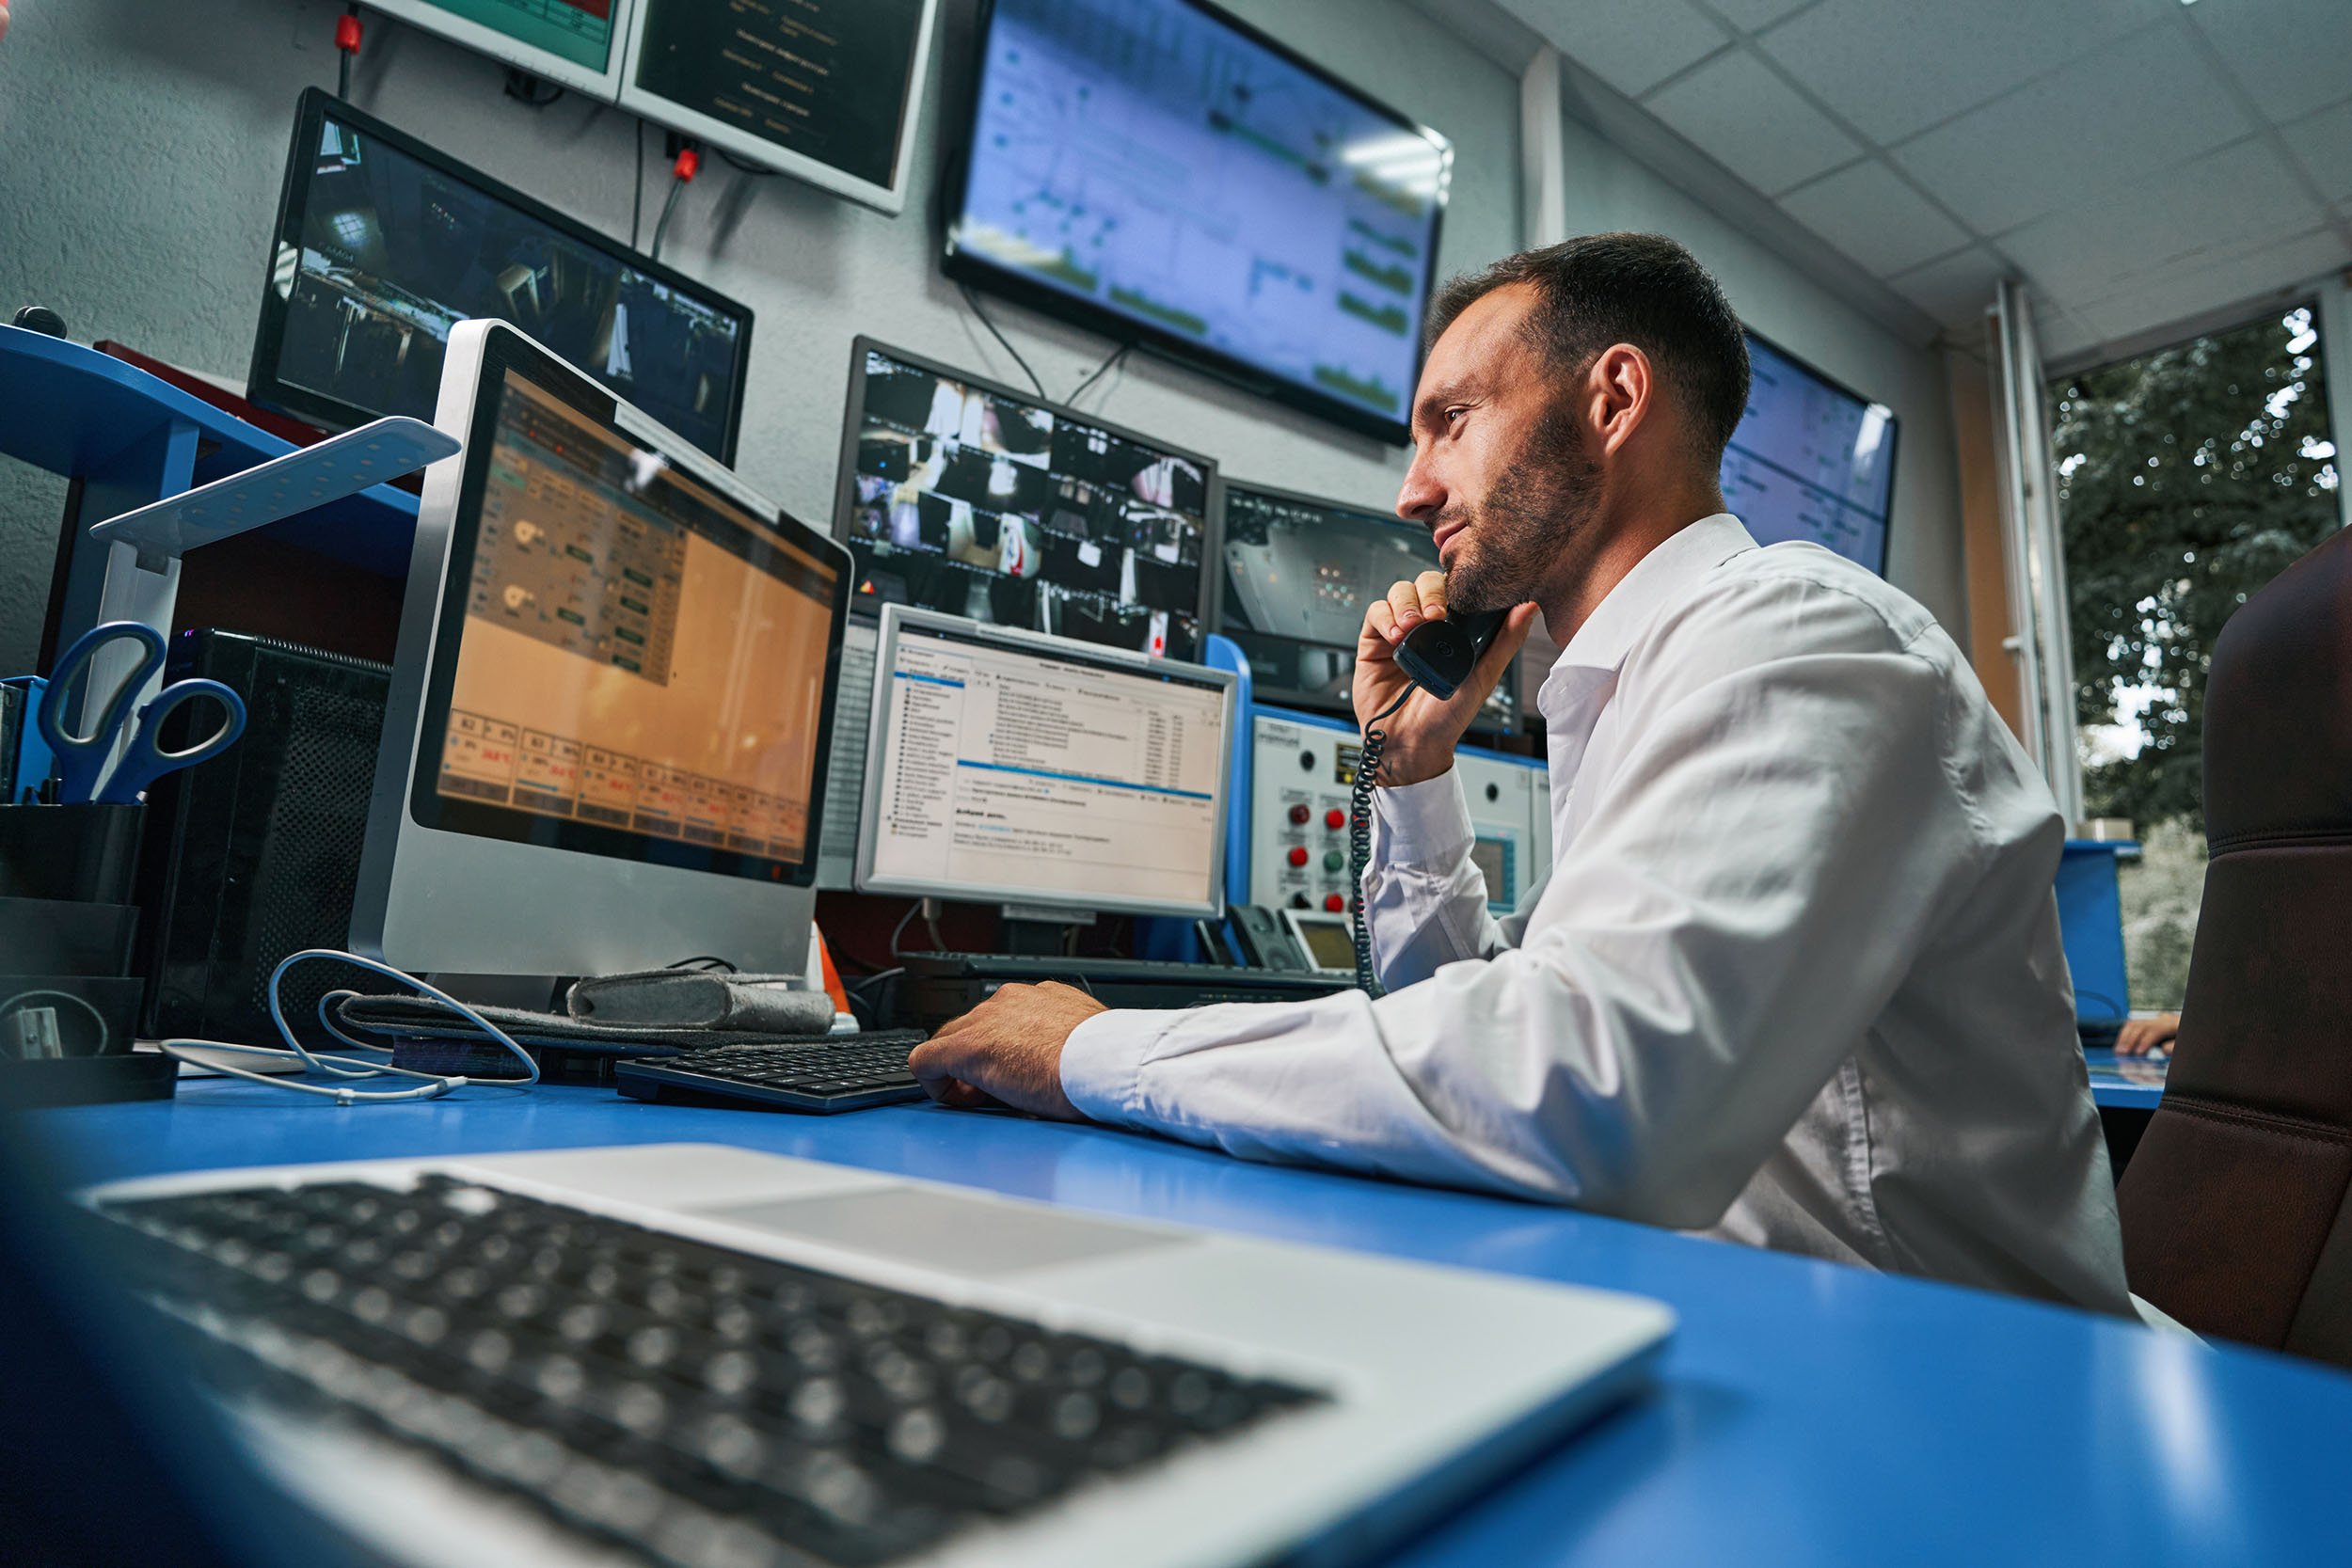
{"type": "Point", "coordinates": [81, 758]}
{"type": "Point", "coordinates": [144, 761]}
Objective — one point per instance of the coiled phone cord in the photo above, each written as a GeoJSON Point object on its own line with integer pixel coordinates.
{"type": "Point", "coordinates": [1359, 839]}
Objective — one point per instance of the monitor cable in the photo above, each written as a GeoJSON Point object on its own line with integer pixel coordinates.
{"type": "Point", "coordinates": [683, 168]}
{"type": "Point", "coordinates": [974, 300]}
{"type": "Point", "coordinates": [637, 197]}
{"type": "Point", "coordinates": [433, 1086]}
{"type": "Point", "coordinates": [347, 32]}
{"type": "Point", "coordinates": [1115, 357]}
{"type": "Point", "coordinates": [1359, 839]}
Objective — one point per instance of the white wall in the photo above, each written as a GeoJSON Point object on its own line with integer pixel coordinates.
{"type": "Point", "coordinates": [142, 144]}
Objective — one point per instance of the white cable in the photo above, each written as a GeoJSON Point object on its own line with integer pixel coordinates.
{"type": "Point", "coordinates": [436, 1084]}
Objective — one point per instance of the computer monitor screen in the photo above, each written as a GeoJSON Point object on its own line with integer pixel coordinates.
{"type": "Point", "coordinates": [1009, 765]}
{"type": "Point", "coordinates": [965, 497]}
{"type": "Point", "coordinates": [1811, 459]}
{"type": "Point", "coordinates": [826, 91]}
{"type": "Point", "coordinates": [570, 42]}
{"type": "Point", "coordinates": [1299, 574]}
{"type": "Point", "coordinates": [383, 245]}
{"type": "Point", "coordinates": [1160, 172]}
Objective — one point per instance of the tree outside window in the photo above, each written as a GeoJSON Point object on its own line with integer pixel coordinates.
{"type": "Point", "coordinates": [2186, 480]}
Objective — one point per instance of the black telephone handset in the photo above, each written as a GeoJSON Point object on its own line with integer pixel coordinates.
{"type": "Point", "coordinates": [1436, 657]}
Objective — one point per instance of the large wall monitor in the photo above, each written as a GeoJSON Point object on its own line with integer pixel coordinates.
{"type": "Point", "coordinates": [966, 497]}
{"type": "Point", "coordinates": [606, 739]}
{"type": "Point", "coordinates": [1299, 573]}
{"type": "Point", "coordinates": [1162, 172]}
{"type": "Point", "coordinates": [575, 43]}
{"type": "Point", "coordinates": [826, 91]}
{"type": "Point", "coordinates": [383, 245]}
{"type": "Point", "coordinates": [1811, 459]}
{"type": "Point", "coordinates": [1009, 765]}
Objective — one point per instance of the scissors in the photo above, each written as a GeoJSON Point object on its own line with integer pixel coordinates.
{"type": "Point", "coordinates": [82, 758]}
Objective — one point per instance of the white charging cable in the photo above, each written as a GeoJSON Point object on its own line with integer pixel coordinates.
{"type": "Point", "coordinates": [435, 1084]}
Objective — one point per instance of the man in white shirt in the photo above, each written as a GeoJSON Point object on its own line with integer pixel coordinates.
{"type": "Point", "coordinates": [1795, 979]}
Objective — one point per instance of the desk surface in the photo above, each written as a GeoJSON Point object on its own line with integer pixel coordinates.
{"type": "Point", "coordinates": [1806, 1414]}
{"type": "Point", "coordinates": [2135, 1082]}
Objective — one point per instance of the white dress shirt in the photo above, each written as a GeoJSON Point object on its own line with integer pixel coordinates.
{"type": "Point", "coordinates": [1795, 979]}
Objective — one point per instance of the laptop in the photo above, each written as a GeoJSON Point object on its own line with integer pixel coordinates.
{"type": "Point", "coordinates": [702, 1356]}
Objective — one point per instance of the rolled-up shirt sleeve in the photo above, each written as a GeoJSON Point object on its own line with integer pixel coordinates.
{"type": "Point", "coordinates": [1748, 890]}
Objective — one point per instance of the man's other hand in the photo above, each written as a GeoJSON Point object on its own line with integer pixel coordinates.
{"type": "Point", "coordinates": [1007, 1050]}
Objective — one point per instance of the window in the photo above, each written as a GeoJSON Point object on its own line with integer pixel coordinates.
{"type": "Point", "coordinates": [2186, 480]}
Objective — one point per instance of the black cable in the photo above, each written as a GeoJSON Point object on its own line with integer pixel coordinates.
{"type": "Point", "coordinates": [750, 168]}
{"type": "Point", "coordinates": [1359, 839]}
{"type": "Point", "coordinates": [637, 200]}
{"type": "Point", "coordinates": [677, 188]}
{"type": "Point", "coordinates": [1100, 370]}
{"type": "Point", "coordinates": [343, 64]}
{"type": "Point", "coordinates": [532, 92]}
{"type": "Point", "coordinates": [974, 300]}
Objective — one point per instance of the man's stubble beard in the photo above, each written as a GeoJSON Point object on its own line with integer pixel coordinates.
{"type": "Point", "coordinates": [1518, 535]}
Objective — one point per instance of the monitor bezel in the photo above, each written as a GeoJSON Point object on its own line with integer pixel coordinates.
{"type": "Point", "coordinates": [427, 808]}
{"type": "Point", "coordinates": [845, 476]}
{"type": "Point", "coordinates": [890, 198]}
{"type": "Point", "coordinates": [895, 620]}
{"type": "Point", "coordinates": [315, 106]}
{"type": "Point", "coordinates": [429, 18]}
{"type": "Point", "coordinates": [964, 266]}
{"type": "Point", "coordinates": [1894, 426]}
{"type": "Point", "coordinates": [1312, 702]}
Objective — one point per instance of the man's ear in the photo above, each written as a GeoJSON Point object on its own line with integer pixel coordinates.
{"type": "Point", "coordinates": [1620, 387]}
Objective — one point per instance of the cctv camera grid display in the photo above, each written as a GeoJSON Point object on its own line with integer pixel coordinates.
{"type": "Point", "coordinates": [966, 500]}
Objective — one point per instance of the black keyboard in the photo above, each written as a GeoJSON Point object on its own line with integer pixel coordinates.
{"type": "Point", "coordinates": [845, 1072]}
{"type": "Point", "coordinates": [688, 1402]}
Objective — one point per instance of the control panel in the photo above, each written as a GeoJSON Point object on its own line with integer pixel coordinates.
{"type": "Point", "coordinates": [1302, 772]}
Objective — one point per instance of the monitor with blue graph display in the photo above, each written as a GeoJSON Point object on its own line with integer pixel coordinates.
{"type": "Point", "coordinates": [1811, 459]}
{"type": "Point", "coordinates": [1162, 173]}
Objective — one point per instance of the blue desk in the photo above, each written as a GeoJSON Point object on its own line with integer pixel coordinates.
{"type": "Point", "coordinates": [2127, 1082]}
{"type": "Point", "coordinates": [1807, 1414]}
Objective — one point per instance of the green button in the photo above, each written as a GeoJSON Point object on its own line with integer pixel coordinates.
{"type": "Point", "coordinates": [1334, 861]}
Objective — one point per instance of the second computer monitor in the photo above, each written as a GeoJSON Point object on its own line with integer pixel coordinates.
{"type": "Point", "coordinates": [965, 497]}
{"type": "Point", "coordinates": [1011, 767]}
{"type": "Point", "coordinates": [1299, 574]}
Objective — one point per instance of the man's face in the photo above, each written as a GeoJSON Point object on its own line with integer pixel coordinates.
{"type": "Point", "coordinates": [1500, 474]}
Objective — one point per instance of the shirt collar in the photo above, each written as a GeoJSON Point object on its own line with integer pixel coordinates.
{"type": "Point", "coordinates": [1607, 635]}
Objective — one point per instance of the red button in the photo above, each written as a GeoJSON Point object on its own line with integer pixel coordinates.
{"type": "Point", "coordinates": [1334, 902]}
{"type": "Point", "coordinates": [1299, 816]}
{"type": "Point", "coordinates": [1299, 855]}
{"type": "Point", "coordinates": [1335, 820]}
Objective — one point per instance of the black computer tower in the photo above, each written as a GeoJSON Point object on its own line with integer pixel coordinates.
{"type": "Point", "coordinates": [255, 854]}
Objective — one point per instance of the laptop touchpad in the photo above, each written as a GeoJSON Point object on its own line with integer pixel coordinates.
{"type": "Point", "coordinates": [941, 1230]}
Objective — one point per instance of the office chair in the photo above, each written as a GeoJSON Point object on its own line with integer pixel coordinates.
{"type": "Point", "coordinates": [2237, 1204]}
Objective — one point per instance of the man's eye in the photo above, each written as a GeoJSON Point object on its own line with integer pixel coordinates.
{"type": "Point", "coordinates": [1453, 414]}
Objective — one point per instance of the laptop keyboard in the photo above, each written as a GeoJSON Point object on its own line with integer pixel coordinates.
{"type": "Point", "coordinates": [704, 1407]}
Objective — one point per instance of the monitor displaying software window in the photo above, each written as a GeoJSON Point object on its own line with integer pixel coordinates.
{"type": "Point", "coordinates": [1004, 765]}
{"type": "Point", "coordinates": [1811, 459]}
{"type": "Point", "coordinates": [609, 709]}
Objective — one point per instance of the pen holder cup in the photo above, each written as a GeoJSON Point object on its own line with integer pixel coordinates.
{"type": "Point", "coordinates": [84, 853]}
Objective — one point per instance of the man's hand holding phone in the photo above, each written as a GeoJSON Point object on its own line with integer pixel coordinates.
{"type": "Point", "coordinates": [1423, 733]}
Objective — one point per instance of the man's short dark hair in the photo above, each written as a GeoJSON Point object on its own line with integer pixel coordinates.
{"type": "Point", "coordinates": [1640, 289]}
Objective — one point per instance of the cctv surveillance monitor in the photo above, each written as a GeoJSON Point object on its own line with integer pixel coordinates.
{"type": "Point", "coordinates": [383, 244]}
{"type": "Point", "coordinates": [606, 739]}
{"type": "Point", "coordinates": [1014, 767]}
{"type": "Point", "coordinates": [1298, 573]}
{"type": "Point", "coordinates": [1811, 459]}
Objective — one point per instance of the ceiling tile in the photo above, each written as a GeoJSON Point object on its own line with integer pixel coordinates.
{"type": "Point", "coordinates": [2323, 142]}
{"type": "Point", "coordinates": [1630, 44]}
{"type": "Point", "coordinates": [1893, 70]}
{"type": "Point", "coordinates": [1956, 290]}
{"type": "Point", "coordinates": [2290, 54]}
{"type": "Point", "coordinates": [1870, 215]}
{"type": "Point", "coordinates": [2209, 209]}
{"type": "Point", "coordinates": [2183, 293]}
{"type": "Point", "coordinates": [2149, 102]}
{"type": "Point", "coordinates": [1755, 15]}
{"type": "Point", "coordinates": [1754, 124]}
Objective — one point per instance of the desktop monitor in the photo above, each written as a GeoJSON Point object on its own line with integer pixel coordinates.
{"type": "Point", "coordinates": [1298, 573]}
{"type": "Point", "coordinates": [573, 43]}
{"type": "Point", "coordinates": [828, 91]}
{"type": "Point", "coordinates": [606, 738]}
{"type": "Point", "coordinates": [383, 244]}
{"type": "Point", "coordinates": [1018, 767]}
{"type": "Point", "coordinates": [1811, 459]}
{"type": "Point", "coordinates": [1162, 173]}
{"type": "Point", "coordinates": [965, 497]}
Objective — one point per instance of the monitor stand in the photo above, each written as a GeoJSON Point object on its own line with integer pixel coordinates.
{"type": "Point", "coordinates": [1039, 930]}
{"type": "Point", "coordinates": [534, 993]}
